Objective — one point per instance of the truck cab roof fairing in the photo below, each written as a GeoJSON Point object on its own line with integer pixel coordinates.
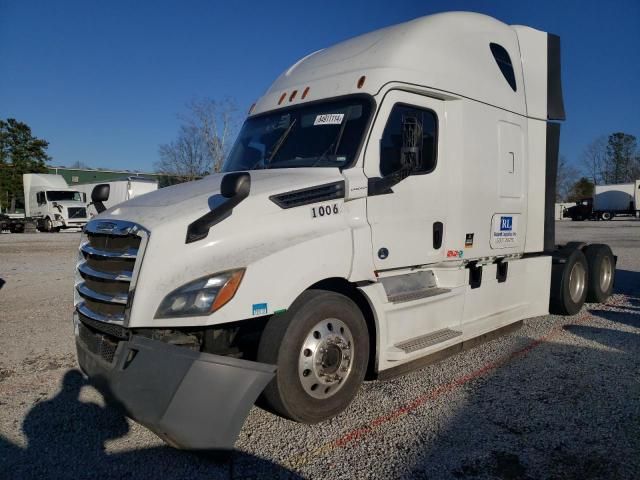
{"type": "Point", "coordinates": [449, 52]}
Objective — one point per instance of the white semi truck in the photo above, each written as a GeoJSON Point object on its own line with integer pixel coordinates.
{"type": "Point", "coordinates": [52, 204]}
{"type": "Point", "coordinates": [120, 190]}
{"type": "Point", "coordinates": [388, 201]}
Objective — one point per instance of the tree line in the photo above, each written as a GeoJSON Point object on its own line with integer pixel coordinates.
{"type": "Point", "coordinates": [20, 152]}
{"type": "Point", "coordinates": [606, 160]}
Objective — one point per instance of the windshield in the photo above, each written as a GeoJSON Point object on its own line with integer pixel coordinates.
{"type": "Point", "coordinates": [62, 195]}
{"type": "Point", "coordinates": [323, 134]}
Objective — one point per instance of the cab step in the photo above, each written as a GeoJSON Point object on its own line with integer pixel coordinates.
{"type": "Point", "coordinates": [410, 296]}
{"type": "Point", "coordinates": [428, 340]}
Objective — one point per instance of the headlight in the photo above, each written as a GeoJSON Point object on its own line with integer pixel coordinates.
{"type": "Point", "coordinates": [58, 217]}
{"type": "Point", "coordinates": [202, 296]}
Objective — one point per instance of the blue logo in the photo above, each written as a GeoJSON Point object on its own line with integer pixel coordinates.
{"type": "Point", "coordinates": [259, 309]}
{"type": "Point", "coordinates": [506, 224]}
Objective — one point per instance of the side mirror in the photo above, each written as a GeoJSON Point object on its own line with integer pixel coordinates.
{"type": "Point", "coordinates": [99, 194]}
{"type": "Point", "coordinates": [235, 187]}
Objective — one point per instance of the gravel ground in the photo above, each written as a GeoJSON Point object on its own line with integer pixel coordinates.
{"type": "Point", "coordinates": [559, 398]}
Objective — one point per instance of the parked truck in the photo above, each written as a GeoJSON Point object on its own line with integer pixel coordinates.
{"type": "Point", "coordinates": [120, 190]}
{"type": "Point", "coordinates": [388, 201]}
{"type": "Point", "coordinates": [608, 202]}
{"type": "Point", "coordinates": [50, 202]}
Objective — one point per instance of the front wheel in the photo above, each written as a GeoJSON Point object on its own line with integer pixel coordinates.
{"type": "Point", "coordinates": [321, 348]}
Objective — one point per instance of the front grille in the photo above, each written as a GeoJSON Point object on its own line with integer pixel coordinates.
{"type": "Point", "coordinates": [306, 196]}
{"type": "Point", "coordinates": [98, 343]}
{"type": "Point", "coordinates": [77, 212]}
{"type": "Point", "coordinates": [108, 263]}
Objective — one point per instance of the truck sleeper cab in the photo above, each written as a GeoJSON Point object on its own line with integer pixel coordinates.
{"type": "Point", "coordinates": [388, 199]}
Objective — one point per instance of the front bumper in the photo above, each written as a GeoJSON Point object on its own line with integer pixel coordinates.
{"type": "Point", "coordinates": [192, 400]}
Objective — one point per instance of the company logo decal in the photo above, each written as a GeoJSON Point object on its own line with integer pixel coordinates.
{"type": "Point", "coordinates": [455, 253]}
{"type": "Point", "coordinates": [260, 309]}
{"type": "Point", "coordinates": [506, 224]}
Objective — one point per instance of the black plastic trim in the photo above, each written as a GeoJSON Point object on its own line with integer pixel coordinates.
{"type": "Point", "coordinates": [475, 275]}
{"type": "Point", "coordinates": [555, 102]}
{"type": "Point", "coordinates": [309, 195]}
{"type": "Point", "coordinates": [553, 146]}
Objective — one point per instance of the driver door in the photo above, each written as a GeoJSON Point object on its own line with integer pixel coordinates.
{"type": "Point", "coordinates": [408, 219]}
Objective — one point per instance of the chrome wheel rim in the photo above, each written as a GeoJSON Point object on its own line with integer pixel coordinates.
{"type": "Point", "coordinates": [577, 281]}
{"type": "Point", "coordinates": [606, 273]}
{"type": "Point", "coordinates": [326, 358]}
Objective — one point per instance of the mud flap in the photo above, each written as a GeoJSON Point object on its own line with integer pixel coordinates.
{"type": "Point", "coordinates": [192, 400]}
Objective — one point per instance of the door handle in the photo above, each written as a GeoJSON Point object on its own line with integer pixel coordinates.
{"type": "Point", "coordinates": [438, 229]}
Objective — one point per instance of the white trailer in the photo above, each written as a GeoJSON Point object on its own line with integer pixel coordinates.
{"type": "Point", "coordinates": [388, 201]}
{"type": "Point", "coordinates": [120, 190]}
{"type": "Point", "coordinates": [51, 203]}
{"type": "Point", "coordinates": [616, 199]}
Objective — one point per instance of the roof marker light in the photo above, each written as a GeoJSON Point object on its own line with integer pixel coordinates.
{"type": "Point", "coordinates": [361, 81]}
{"type": "Point", "coordinates": [282, 97]}
{"type": "Point", "coordinates": [304, 94]}
{"type": "Point", "coordinates": [293, 95]}
{"type": "Point", "coordinates": [253, 105]}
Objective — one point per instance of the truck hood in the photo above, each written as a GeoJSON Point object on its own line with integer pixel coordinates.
{"type": "Point", "coordinates": [182, 204]}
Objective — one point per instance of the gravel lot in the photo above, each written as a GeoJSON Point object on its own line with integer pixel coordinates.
{"type": "Point", "coordinates": [559, 398]}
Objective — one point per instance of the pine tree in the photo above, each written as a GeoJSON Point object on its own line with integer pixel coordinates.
{"type": "Point", "coordinates": [20, 152]}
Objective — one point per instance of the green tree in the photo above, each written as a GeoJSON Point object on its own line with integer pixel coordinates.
{"type": "Point", "coordinates": [20, 152]}
{"type": "Point", "coordinates": [621, 158]}
{"type": "Point", "coordinates": [583, 188]}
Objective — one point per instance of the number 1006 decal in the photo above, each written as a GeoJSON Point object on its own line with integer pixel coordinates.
{"type": "Point", "coordinates": [325, 210]}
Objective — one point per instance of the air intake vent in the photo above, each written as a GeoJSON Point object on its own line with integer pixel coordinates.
{"type": "Point", "coordinates": [306, 196]}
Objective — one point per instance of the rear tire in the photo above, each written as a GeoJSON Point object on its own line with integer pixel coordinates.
{"type": "Point", "coordinates": [569, 284]}
{"type": "Point", "coordinates": [321, 348]}
{"type": "Point", "coordinates": [602, 266]}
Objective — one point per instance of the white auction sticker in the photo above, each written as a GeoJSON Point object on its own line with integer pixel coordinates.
{"type": "Point", "coordinates": [329, 119]}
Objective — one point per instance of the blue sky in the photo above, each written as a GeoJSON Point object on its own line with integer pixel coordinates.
{"type": "Point", "coordinates": [103, 82]}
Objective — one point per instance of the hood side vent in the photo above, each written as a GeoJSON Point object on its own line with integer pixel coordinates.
{"type": "Point", "coordinates": [306, 196]}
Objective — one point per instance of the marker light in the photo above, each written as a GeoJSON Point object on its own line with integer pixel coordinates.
{"type": "Point", "coordinates": [202, 296]}
{"type": "Point", "coordinates": [361, 81]}
{"type": "Point", "coordinates": [293, 95]}
{"type": "Point", "coordinates": [304, 94]}
{"type": "Point", "coordinates": [282, 97]}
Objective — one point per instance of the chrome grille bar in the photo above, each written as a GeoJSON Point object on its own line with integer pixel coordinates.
{"type": "Point", "coordinates": [89, 250]}
{"type": "Point", "coordinates": [87, 312]}
{"type": "Point", "coordinates": [122, 276]}
{"type": "Point", "coordinates": [101, 297]}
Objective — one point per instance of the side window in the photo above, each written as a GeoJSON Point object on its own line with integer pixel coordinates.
{"type": "Point", "coordinates": [408, 144]}
{"type": "Point", "coordinates": [40, 198]}
{"type": "Point", "coordinates": [503, 60]}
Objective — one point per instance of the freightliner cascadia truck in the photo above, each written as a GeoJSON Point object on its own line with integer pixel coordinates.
{"type": "Point", "coordinates": [388, 201]}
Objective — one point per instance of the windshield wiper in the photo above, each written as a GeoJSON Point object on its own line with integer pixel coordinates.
{"type": "Point", "coordinates": [281, 140]}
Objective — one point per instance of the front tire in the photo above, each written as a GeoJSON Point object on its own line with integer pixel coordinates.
{"type": "Point", "coordinates": [606, 216]}
{"type": "Point", "coordinates": [321, 348]}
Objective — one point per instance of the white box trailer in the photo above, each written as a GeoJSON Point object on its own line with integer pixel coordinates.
{"type": "Point", "coordinates": [389, 200]}
{"type": "Point", "coordinates": [616, 199]}
{"type": "Point", "coordinates": [120, 190]}
{"type": "Point", "coordinates": [51, 203]}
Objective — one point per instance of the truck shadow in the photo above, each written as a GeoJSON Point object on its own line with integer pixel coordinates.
{"type": "Point", "coordinates": [563, 411]}
{"type": "Point", "coordinates": [628, 282]}
{"type": "Point", "coordinates": [66, 439]}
